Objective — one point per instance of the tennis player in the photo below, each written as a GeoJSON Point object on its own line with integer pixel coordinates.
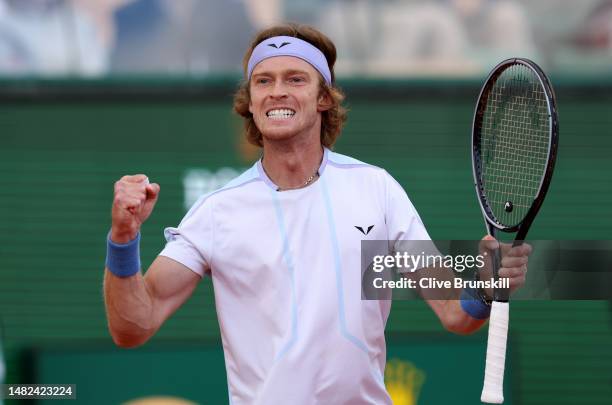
{"type": "Point", "coordinates": [281, 243]}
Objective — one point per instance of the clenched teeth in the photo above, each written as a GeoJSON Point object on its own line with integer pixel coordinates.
{"type": "Point", "coordinates": [280, 113]}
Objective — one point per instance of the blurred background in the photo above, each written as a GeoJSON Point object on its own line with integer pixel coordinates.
{"type": "Point", "coordinates": [91, 90]}
{"type": "Point", "coordinates": [96, 38]}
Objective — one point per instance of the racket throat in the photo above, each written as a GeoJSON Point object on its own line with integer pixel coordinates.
{"type": "Point", "coordinates": [499, 294]}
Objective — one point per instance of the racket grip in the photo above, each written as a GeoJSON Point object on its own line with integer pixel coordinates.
{"type": "Point", "coordinates": [493, 388]}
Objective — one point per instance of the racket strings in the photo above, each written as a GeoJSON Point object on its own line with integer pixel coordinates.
{"type": "Point", "coordinates": [514, 143]}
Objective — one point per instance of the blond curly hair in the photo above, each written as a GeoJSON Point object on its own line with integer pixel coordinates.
{"type": "Point", "coordinates": [332, 119]}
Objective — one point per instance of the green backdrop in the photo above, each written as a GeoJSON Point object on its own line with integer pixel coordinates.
{"type": "Point", "coordinates": [64, 143]}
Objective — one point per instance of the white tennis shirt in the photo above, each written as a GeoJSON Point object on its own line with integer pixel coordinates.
{"type": "Point", "coordinates": [286, 271]}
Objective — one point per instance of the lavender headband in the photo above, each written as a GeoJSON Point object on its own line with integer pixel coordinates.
{"type": "Point", "coordinates": [289, 46]}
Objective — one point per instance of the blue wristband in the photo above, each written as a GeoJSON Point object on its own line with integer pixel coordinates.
{"type": "Point", "coordinates": [473, 305]}
{"type": "Point", "coordinates": [123, 260]}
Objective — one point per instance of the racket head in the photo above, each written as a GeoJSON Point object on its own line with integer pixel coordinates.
{"type": "Point", "coordinates": [514, 144]}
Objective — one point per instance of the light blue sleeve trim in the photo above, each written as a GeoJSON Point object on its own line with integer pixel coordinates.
{"type": "Point", "coordinates": [344, 160]}
{"type": "Point", "coordinates": [246, 177]}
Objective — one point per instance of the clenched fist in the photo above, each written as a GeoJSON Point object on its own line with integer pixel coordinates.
{"type": "Point", "coordinates": [134, 200]}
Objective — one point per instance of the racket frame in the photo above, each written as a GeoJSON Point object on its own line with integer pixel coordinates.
{"type": "Point", "coordinates": [491, 222]}
{"type": "Point", "coordinates": [498, 325]}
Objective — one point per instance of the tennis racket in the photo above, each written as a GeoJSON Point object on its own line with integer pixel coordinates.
{"type": "Point", "coordinates": [514, 147]}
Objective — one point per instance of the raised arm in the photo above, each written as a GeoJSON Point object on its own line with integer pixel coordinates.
{"type": "Point", "coordinates": [137, 305]}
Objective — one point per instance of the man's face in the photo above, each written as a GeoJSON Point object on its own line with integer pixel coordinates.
{"type": "Point", "coordinates": [285, 99]}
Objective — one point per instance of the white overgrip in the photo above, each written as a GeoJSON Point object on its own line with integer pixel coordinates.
{"type": "Point", "coordinates": [493, 389]}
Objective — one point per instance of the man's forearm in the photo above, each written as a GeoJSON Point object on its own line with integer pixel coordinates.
{"type": "Point", "coordinates": [454, 318]}
{"type": "Point", "coordinates": [129, 309]}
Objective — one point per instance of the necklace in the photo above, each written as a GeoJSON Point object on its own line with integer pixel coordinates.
{"type": "Point", "coordinates": [307, 182]}
{"type": "Point", "coordinates": [311, 178]}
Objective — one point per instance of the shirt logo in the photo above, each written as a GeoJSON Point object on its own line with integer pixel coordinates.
{"type": "Point", "coordinates": [273, 45]}
{"type": "Point", "coordinates": [365, 232]}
